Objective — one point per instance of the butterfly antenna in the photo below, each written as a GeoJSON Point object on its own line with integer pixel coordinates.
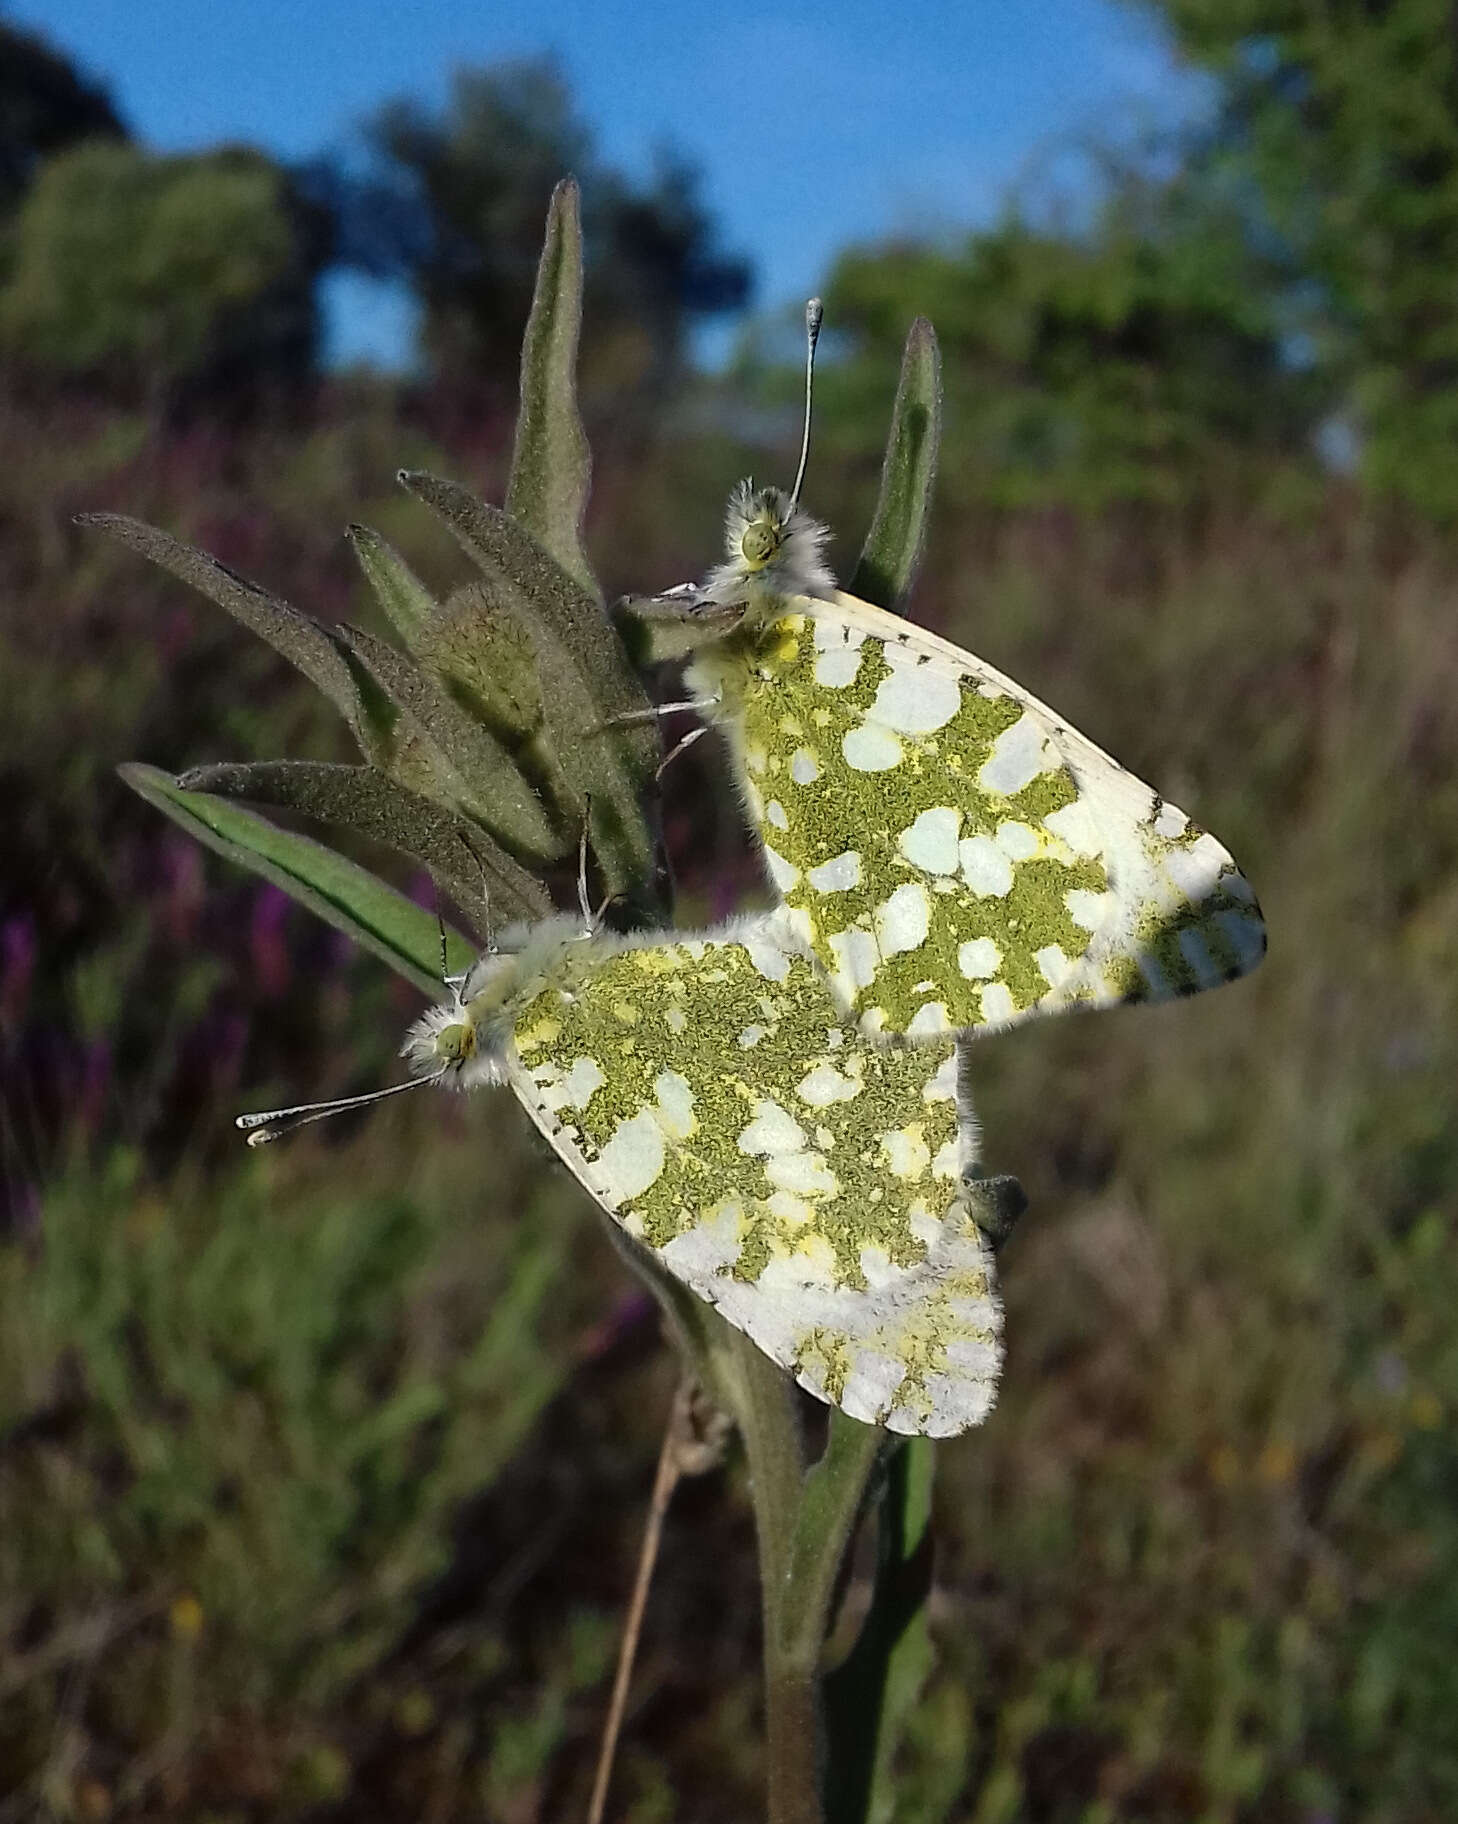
{"type": "Point", "coordinates": [814, 317]}
{"type": "Point", "coordinates": [274, 1123]}
{"type": "Point", "coordinates": [475, 855]}
{"type": "Point", "coordinates": [583, 901]}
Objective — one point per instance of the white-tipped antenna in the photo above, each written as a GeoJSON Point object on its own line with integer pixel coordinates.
{"type": "Point", "coordinates": [814, 317]}
{"type": "Point", "coordinates": [274, 1123]}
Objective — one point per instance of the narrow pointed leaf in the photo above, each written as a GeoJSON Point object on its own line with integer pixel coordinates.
{"type": "Point", "coordinates": [551, 465]}
{"type": "Point", "coordinates": [893, 547]}
{"type": "Point", "coordinates": [486, 778]}
{"type": "Point", "coordinates": [870, 1696]}
{"type": "Point", "coordinates": [345, 895]}
{"type": "Point", "coordinates": [402, 595]}
{"type": "Point", "coordinates": [586, 681]}
{"type": "Point", "coordinates": [306, 643]}
{"type": "Point", "coordinates": [468, 865]}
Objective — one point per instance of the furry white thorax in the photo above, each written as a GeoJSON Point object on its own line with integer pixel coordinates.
{"type": "Point", "coordinates": [797, 565]}
{"type": "Point", "coordinates": [484, 1002]}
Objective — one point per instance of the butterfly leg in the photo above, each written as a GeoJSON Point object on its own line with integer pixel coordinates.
{"type": "Point", "coordinates": [679, 747]}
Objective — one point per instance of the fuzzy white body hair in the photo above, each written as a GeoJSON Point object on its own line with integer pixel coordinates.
{"type": "Point", "coordinates": [798, 566]}
{"type": "Point", "coordinates": [484, 1001]}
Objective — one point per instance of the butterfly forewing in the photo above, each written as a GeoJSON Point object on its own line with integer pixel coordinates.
{"type": "Point", "coordinates": [955, 855]}
{"type": "Point", "coordinates": [808, 1182]}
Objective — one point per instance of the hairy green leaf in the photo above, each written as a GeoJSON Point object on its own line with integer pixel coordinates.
{"type": "Point", "coordinates": [587, 684]}
{"type": "Point", "coordinates": [892, 551]}
{"type": "Point", "coordinates": [551, 465]}
{"type": "Point", "coordinates": [306, 643]}
{"type": "Point", "coordinates": [467, 864]}
{"type": "Point", "coordinates": [477, 768]}
{"type": "Point", "coordinates": [487, 659]}
{"type": "Point", "coordinates": [346, 896]}
{"type": "Point", "coordinates": [402, 595]}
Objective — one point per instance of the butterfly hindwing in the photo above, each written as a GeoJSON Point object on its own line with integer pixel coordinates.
{"type": "Point", "coordinates": [956, 856]}
{"type": "Point", "coordinates": [808, 1182]}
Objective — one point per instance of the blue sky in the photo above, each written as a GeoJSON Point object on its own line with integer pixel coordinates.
{"type": "Point", "coordinates": [813, 125]}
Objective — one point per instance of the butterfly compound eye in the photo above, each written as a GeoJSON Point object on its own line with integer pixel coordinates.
{"type": "Point", "coordinates": [760, 542]}
{"type": "Point", "coordinates": [454, 1044]}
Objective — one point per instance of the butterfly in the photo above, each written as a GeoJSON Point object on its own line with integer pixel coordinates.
{"type": "Point", "coordinates": [955, 854]}
{"type": "Point", "coordinates": [815, 1185]}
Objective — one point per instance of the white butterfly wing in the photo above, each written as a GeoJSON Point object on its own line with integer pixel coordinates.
{"type": "Point", "coordinates": [810, 1185]}
{"type": "Point", "coordinates": [956, 854]}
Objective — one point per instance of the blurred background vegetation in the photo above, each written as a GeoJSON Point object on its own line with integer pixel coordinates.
{"type": "Point", "coordinates": [321, 1471]}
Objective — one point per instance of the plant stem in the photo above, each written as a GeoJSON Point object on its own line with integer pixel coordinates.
{"type": "Point", "coordinates": [664, 1483]}
{"type": "Point", "coordinates": [804, 1518]}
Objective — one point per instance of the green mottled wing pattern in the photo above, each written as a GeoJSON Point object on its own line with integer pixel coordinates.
{"type": "Point", "coordinates": [955, 856]}
{"type": "Point", "coordinates": [809, 1183]}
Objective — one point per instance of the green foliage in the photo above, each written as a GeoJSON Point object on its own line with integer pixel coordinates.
{"type": "Point", "coordinates": [894, 543]}
{"type": "Point", "coordinates": [1341, 122]}
{"type": "Point", "coordinates": [233, 1436]}
{"type": "Point", "coordinates": [1206, 1544]}
{"type": "Point", "coordinates": [46, 105]}
{"type": "Point", "coordinates": [141, 272]}
{"type": "Point", "coordinates": [551, 465]}
{"type": "Point", "coordinates": [1143, 361]}
{"type": "Point", "coordinates": [343, 894]}
{"type": "Point", "coordinates": [457, 210]}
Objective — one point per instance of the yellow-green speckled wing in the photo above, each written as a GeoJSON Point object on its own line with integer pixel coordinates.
{"type": "Point", "coordinates": [808, 1182]}
{"type": "Point", "coordinates": [956, 856]}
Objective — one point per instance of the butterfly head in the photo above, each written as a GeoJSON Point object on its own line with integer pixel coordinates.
{"type": "Point", "coordinates": [772, 547]}
{"type": "Point", "coordinates": [465, 1041]}
{"type": "Point", "coordinates": [450, 1045]}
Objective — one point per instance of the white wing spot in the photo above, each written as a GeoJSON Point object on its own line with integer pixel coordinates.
{"type": "Point", "coordinates": [907, 1153]}
{"type": "Point", "coordinates": [1018, 841]}
{"type": "Point", "coordinates": [804, 768]}
{"type": "Point", "coordinates": [773, 1130]}
{"type": "Point", "coordinates": [931, 842]}
{"type": "Point", "coordinates": [979, 959]}
{"type": "Point", "coordinates": [915, 699]}
{"type": "Point", "coordinates": [825, 1084]}
{"type": "Point", "coordinates": [870, 749]}
{"type": "Point", "coordinates": [676, 1020]}
{"type": "Point", "coordinates": [1196, 953]}
{"type": "Point", "coordinates": [997, 1003]}
{"type": "Point", "coordinates": [1246, 936]}
{"type": "Point", "coordinates": [580, 1083]}
{"type": "Point", "coordinates": [774, 813]}
{"type": "Point", "coordinates": [1074, 824]}
{"type": "Point", "coordinates": [751, 1036]}
{"type": "Point", "coordinates": [985, 868]}
{"type": "Point", "coordinates": [633, 1158]}
{"type": "Point", "coordinates": [675, 1104]}
{"type": "Point", "coordinates": [857, 956]}
{"type": "Point", "coordinates": [838, 875]}
{"type": "Point", "coordinates": [828, 633]}
{"type": "Point", "coordinates": [783, 873]}
{"type": "Point", "coordinates": [1086, 909]}
{"type": "Point", "coordinates": [903, 921]}
{"type": "Point", "coordinates": [1054, 964]}
{"type": "Point", "coordinates": [1018, 755]}
{"type": "Point", "coordinates": [837, 654]}
{"type": "Point", "coordinates": [1171, 822]}
{"type": "Point", "coordinates": [805, 1173]}
{"type": "Point", "coordinates": [765, 951]}
{"type": "Point", "coordinates": [928, 1020]}
{"type": "Point", "coordinates": [1196, 869]}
